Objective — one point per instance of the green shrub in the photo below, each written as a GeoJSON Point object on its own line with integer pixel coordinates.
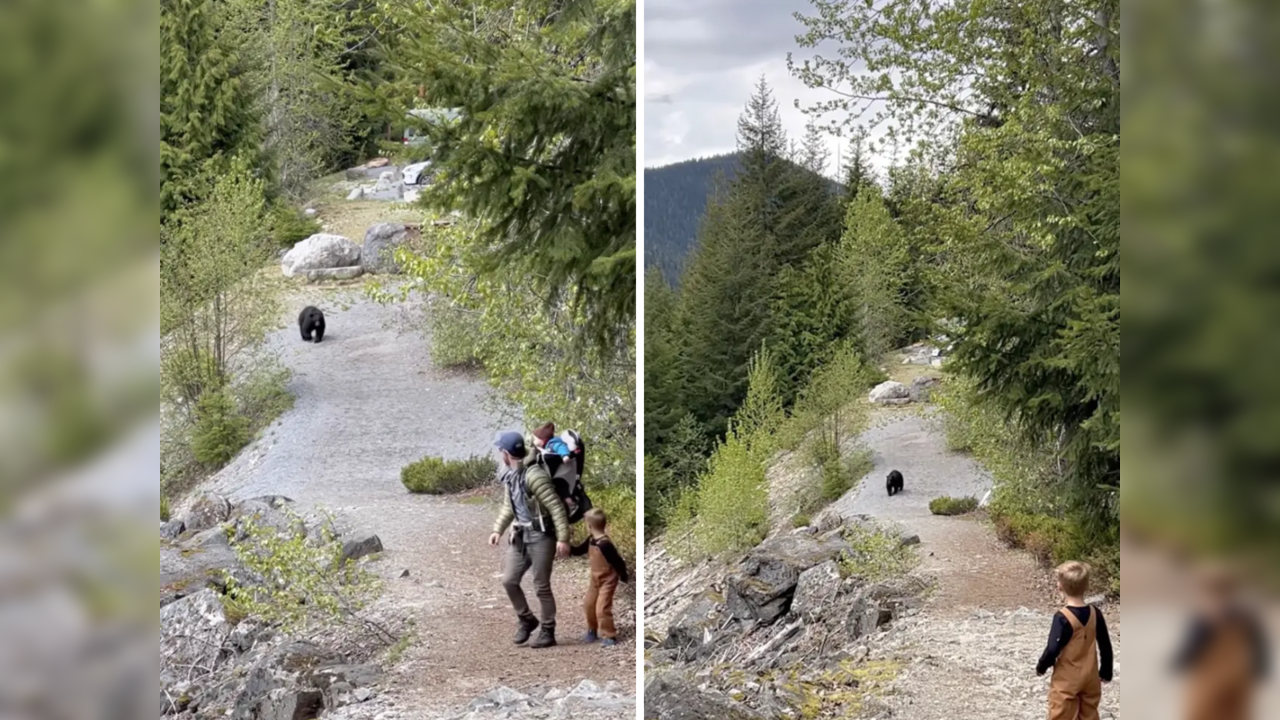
{"type": "Point", "coordinates": [733, 501]}
{"type": "Point", "coordinates": [835, 481]}
{"type": "Point", "coordinates": [220, 432]}
{"type": "Point", "coordinates": [164, 508]}
{"type": "Point", "coordinates": [437, 476]}
{"type": "Point", "coordinates": [875, 555]}
{"type": "Point", "coordinates": [288, 226]}
{"type": "Point", "coordinates": [800, 520]}
{"type": "Point", "coordinates": [618, 501]}
{"type": "Point", "coordinates": [946, 505]}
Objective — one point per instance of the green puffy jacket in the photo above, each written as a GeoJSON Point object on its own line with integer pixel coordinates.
{"type": "Point", "coordinates": [544, 503]}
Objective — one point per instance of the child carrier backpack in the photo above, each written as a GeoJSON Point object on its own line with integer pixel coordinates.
{"type": "Point", "coordinates": [566, 474]}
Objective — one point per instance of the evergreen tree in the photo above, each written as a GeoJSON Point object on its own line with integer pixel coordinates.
{"type": "Point", "coordinates": [857, 172]}
{"type": "Point", "coordinates": [544, 150]}
{"type": "Point", "coordinates": [205, 112]}
{"type": "Point", "coordinates": [811, 314]}
{"type": "Point", "coordinates": [663, 394]}
{"type": "Point", "coordinates": [873, 262]}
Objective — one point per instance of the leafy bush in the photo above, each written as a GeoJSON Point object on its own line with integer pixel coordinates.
{"type": "Point", "coordinates": [437, 476]}
{"type": "Point", "coordinates": [953, 506]}
{"type": "Point", "coordinates": [288, 226]}
{"type": "Point", "coordinates": [164, 508]}
{"type": "Point", "coordinates": [618, 501]}
{"type": "Point", "coordinates": [875, 555]}
{"type": "Point", "coordinates": [306, 587]}
{"type": "Point", "coordinates": [732, 500]}
{"type": "Point", "coordinates": [800, 520]}
{"type": "Point", "coordinates": [220, 432]}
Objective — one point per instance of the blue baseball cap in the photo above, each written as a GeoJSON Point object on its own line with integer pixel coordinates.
{"type": "Point", "coordinates": [512, 443]}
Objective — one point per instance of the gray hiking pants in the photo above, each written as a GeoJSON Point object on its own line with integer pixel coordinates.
{"type": "Point", "coordinates": [530, 549]}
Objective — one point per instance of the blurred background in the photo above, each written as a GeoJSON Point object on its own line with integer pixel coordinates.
{"type": "Point", "coordinates": [1201, 391]}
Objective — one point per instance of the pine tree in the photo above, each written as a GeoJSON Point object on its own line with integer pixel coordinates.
{"type": "Point", "coordinates": [205, 113]}
{"type": "Point", "coordinates": [544, 150]}
{"type": "Point", "coordinates": [873, 262]}
{"type": "Point", "coordinates": [858, 172]}
{"type": "Point", "coordinates": [811, 314]}
{"type": "Point", "coordinates": [663, 392]}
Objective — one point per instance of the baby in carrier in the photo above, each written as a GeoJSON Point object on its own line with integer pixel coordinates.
{"type": "Point", "coordinates": [555, 452]}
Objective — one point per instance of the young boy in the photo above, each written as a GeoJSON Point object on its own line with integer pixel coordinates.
{"type": "Point", "coordinates": [607, 569]}
{"type": "Point", "coordinates": [1077, 638]}
{"type": "Point", "coordinates": [546, 440]}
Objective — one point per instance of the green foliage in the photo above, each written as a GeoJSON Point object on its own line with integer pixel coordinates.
{"type": "Point", "coordinates": [947, 505]}
{"type": "Point", "coordinates": [662, 378]}
{"type": "Point", "coordinates": [437, 476]}
{"type": "Point", "coordinates": [873, 263]}
{"type": "Point", "coordinates": [875, 555]}
{"type": "Point", "coordinates": [544, 151]}
{"type": "Point", "coordinates": [206, 115]}
{"type": "Point", "coordinates": [761, 413]}
{"type": "Point", "coordinates": [164, 507]}
{"type": "Point", "coordinates": [732, 500]}
{"type": "Point", "coordinates": [219, 432]}
{"type": "Point", "coordinates": [529, 352]}
{"type": "Point", "coordinates": [288, 226]}
{"type": "Point", "coordinates": [618, 501]}
{"type": "Point", "coordinates": [306, 587]}
{"type": "Point", "coordinates": [800, 520]}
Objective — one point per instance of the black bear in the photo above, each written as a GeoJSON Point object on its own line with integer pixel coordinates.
{"type": "Point", "coordinates": [893, 483]}
{"type": "Point", "coordinates": [311, 320]}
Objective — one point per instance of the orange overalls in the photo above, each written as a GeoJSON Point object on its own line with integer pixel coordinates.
{"type": "Point", "coordinates": [1220, 684]}
{"type": "Point", "coordinates": [1076, 689]}
{"type": "Point", "coordinates": [599, 601]}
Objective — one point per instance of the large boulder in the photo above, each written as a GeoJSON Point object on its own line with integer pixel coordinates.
{"type": "Point", "coordinates": [692, 629]}
{"type": "Point", "coordinates": [360, 545]}
{"type": "Point", "coordinates": [322, 251]}
{"type": "Point", "coordinates": [273, 689]}
{"type": "Point", "coordinates": [890, 392]}
{"type": "Point", "coordinates": [380, 243]}
{"type": "Point", "coordinates": [206, 512]}
{"type": "Point", "coordinates": [668, 696]}
{"type": "Point", "coordinates": [816, 590]}
{"type": "Point", "coordinates": [267, 511]}
{"type": "Point", "coordinates": [922, 388]}
{"type": "Point", "coordinates": [192, 633]}
{"type": "Point", "coordinates": [765, 581]}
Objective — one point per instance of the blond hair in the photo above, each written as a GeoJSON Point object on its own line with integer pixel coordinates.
{"type": "Point", "coordinates": [595, 519]}
{"type": "Point", "coordinates": [1073, 577]}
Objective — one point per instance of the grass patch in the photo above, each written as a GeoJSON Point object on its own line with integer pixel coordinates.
{"type": "Point", "coordinates": [437, 476]}
{"type": "Point", "coordinates": [875, 555]}
{"type": "Point", "coordinates": [800, 520]}
{"type": "Point", "coordinates": [946, 505]}
{"type": "Point", "coordinates": [164, 508]}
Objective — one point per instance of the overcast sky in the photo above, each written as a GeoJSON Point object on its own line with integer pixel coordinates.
{"type": "Point", "coordinates": [702, 59]}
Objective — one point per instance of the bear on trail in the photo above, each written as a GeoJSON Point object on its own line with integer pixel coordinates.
{"type": "Point", "coordinates": [311, 320]}
{"type": "Point", "coordinates": [893, 483]}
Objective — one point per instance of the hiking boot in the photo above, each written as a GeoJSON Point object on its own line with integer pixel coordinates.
{"type": "Point", "coordinates": [546, 638]}
{"type": "Point", "coordinates": [590, 637]}
{"type": "Point", "coordinates": [526, 628]}
{"type": "Point", "coordinates": [608, 642]}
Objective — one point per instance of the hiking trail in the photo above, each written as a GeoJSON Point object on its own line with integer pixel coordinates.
{"type": "Point", "coordinates": [368, 401]}
{"type": "Point", "coordinates": [976, 641]}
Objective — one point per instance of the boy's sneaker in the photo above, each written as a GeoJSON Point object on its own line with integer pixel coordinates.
{"type": "Point", "coordinates": [608, 642]}
{"type": "Point", "coordinates": [546, 638]}
{"type": "Point", "coordinates": [525, 629]}
{"type": "Point", "coordinates": [590, 637]}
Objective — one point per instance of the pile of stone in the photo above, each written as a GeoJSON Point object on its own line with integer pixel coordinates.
{"type": "Point", "coordinates": [586, 700]}
{"type": "Point", "coordinates": [786, 610]}
{"type": "Point", "coordinates": [216, 664]}
{"type": "Point", "coordinates": [892, 392]}
{"type": "Point", "coordinates": [325, 256]}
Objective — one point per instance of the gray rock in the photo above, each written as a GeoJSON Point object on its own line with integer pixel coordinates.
{"type": "Point", "coordinates": [193, 630]}
{"type": "Point", "coordinates": [668, 696]}
{"type": "Point", "coordinates": [309, 212]}
{"type": "Point", "coordinates": [816, 589]}
{"type": "Point", "coordinates": [497, 697]}
{"type": "Point", "coordinates": [762, 587]}
{"type": "Point", "coordinates": [318, 252]}
{"type": "Point", "coordinates": [339, 273]}
{"type": "Point", "coordinates": [909, 539]}
{"type": "Point", "coordinates": [361, 545]}
{"type": "Point", "coordinates": [195, 563]}
{"type": "Point", "coordinates": [380, 243]}
{"type": "Point", "coordinates": [207, 511]}
{"type": "Point", "coordinates": [272, 690]}
{"type": "Point", "coordinates": [889, 390]}
{"type": "Point", "coordinates": [356, 193]}
{"type": "Point", "coordinates": [922, 388]}
{"type": "Point", "coordinates": [690, 630]}
{"type": "Point", "coordinates": [266, 512]}
{"type": "Point", "coordinates": [362, 694]}
{"type": "Point", "coordinates": [172, 529]}
{"type": "Point", "coordinates": [328, 676]}
{"type": "Point", "coordinates": [285, 704]}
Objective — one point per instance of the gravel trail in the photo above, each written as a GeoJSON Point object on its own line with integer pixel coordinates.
{"type": "Point", "coordinates": [976, 643]}
{"type": "Point", "coordinates": [369, 401]}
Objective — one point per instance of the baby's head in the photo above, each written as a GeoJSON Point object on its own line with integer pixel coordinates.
{"type": "Point", "coordinates": [543, 434]}
{"type": "Point", "coordinates": [596, 519]}
{"type": "Point", "coordinates": [1073, 578]}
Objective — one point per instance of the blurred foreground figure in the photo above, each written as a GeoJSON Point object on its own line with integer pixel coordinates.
{"type": "Point", "coordinates": [1223, 656]}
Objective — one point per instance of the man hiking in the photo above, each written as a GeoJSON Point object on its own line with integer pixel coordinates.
{"type": "Point", "coordinates": [539, 534]}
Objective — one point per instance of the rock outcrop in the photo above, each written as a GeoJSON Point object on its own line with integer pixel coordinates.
{"type": "Point", "coordinates": [320, 252]}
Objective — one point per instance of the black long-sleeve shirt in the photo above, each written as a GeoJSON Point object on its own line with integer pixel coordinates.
{"type": "Point", "coordinates": [1060, 634]}
{"type": "Point", "coordinates": [1201, 631]}
{"type": "Point", "coordinates": [606, 547]}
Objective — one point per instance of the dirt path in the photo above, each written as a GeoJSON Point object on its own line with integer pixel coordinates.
{"type": "Point", "coordinates": [369, 401]}
{"type": "Point", "coordinates": [976, 643]}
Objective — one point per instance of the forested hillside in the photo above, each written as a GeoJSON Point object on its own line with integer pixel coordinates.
{"type": "Point", "coordinates": [675, 200]}
{"type": "Point", "coordinates": [996, 224]}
